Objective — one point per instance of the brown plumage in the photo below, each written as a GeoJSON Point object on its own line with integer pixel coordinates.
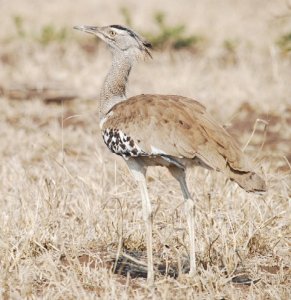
{"type": "Point", "coordinates": [166, 130]}
{"type": "Point", "coordinates": [182, 129]}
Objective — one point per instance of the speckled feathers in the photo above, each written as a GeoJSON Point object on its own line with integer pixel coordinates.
{"type": "Point", "coordinates": [121, 144]}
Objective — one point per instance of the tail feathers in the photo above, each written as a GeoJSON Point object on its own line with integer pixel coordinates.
{"type": "Point", "coordinates": [249, 181]}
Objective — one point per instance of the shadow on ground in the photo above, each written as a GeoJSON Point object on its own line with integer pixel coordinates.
{"type": "Point", "coordinates": [130, 265]}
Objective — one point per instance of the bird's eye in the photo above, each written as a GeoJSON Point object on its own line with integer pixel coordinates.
{"type": "Point", "coordinates": [112, 33]}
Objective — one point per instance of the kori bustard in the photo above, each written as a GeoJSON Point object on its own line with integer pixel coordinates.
{"type": "Point", "coordinates": [162, 130]}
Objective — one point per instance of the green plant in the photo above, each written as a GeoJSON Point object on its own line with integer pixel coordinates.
{"type": "Point", "coordinates": [49, 34]}
{"type": "Point", "coordinates": [230, 45]}
{"type": "Point", "coordinates": [284, 42]}
{"type": "Point", "coordinates": [126, 15]}
{"type": "Point", "coordinates": [229, 55]}
{"type": "Point", "coordinates": [171, 36]}
{"type": "Point", "coordinates": [18, 23]}
{"type": "Point", "coordinates": [167, 36]}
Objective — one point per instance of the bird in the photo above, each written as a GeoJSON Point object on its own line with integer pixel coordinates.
{"type": "Point", "coordinates": [162, 130]}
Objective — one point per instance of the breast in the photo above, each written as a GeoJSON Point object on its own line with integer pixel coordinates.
{"type": "Point", "coordinates": [121, 144]}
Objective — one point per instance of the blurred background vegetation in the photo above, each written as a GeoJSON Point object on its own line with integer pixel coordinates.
{"type": "Point", "coordinates": [167, 36]}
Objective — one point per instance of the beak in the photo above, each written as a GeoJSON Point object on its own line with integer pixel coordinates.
{"type": "Point", "coordinates": [89, 29]}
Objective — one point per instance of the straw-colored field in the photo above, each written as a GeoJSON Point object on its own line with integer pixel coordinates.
{"type": "Point", "coordinates": [69, 209]}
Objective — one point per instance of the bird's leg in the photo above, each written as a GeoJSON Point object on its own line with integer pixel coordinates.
{"type": "Point", "coordinates": [138, 171]}
{"type": "Point", "coordinates": [180, 175]}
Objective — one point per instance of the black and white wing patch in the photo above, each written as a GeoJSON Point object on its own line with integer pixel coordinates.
{"type": "Point", "coordinates": [121, 144]}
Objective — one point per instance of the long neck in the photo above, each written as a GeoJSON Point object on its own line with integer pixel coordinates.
{"type": "Point", "coordinates": [113, 90]}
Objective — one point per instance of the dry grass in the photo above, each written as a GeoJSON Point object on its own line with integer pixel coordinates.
{"type": "Point", "coordinates": [67, 206]}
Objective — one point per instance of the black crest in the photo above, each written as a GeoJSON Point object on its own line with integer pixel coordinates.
{"type": "Point", "coordinates": [137, 37]}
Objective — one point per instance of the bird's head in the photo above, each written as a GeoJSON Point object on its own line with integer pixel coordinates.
{"type": "Point", "coordinates": [120, 39]}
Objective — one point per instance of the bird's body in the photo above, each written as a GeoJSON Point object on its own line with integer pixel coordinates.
{"type": "Point", "coordinates": [163, 130]}
{"type": "Point", "coordinates": [175, 131]}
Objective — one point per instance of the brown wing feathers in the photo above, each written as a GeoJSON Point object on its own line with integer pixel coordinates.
{"type": "Point", "coordinates": [180, 127]}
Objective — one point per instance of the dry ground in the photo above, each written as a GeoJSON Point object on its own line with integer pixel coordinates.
{"type": "Point", "coordinates": [68, 207]}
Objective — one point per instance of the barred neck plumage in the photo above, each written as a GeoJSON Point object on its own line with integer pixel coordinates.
{"type": "Point", "coordinates": [114, 87]}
